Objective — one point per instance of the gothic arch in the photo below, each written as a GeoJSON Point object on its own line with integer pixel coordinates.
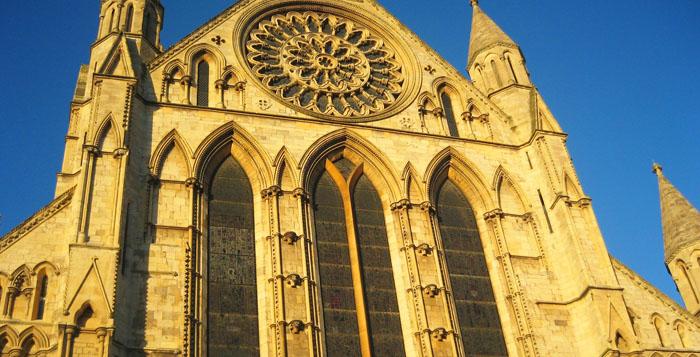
{"type": "Point", "coordinates": [171, 141]}
{"type": "Point", "coordinates": [40, 338]}
{"type": "Point", "coordinates": [469, 180]}
{"type": "Point", "coordinates": [202, 49]}
{"type": "Point", "coordinates": [230, 71]}
{"type": "Point", "coordinates": [231, 139]}
{"type": "Point", "coordinates": [572, 186]}
{"type": "Point", "coordinates": [376, 166]}
{"type": "Point", "coordinates": [285, 174]}
{"type": "Point", "coordinates": [46, 266]}
{"type": "Point", "coordinates": [107, 136]}
{"type": "Point", "coordinates": [427, 100]}
{"type": "Point", "coordinates": [445, 84]}
{"type": "Point", "coordinates": [173, 66]}
{"type": "Point", "coordinates": [10, 334]}
{"type": "Point", "coordinates": [23, 272]}
{"type": "Point", "coordinates": [412, 185]}
{"type": "Point", "coordinates": [510, 195]}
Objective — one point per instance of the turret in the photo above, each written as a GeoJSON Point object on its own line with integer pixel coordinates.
{"type": "Point", "coordinates": [141, 19]}
{"type": "Point", "coordinates": [681, 228]}
{"type": "Point", "coordinates": [496, 66]}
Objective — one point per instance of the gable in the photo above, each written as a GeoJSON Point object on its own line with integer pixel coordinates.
{"type": "Point", "coordinates": [371, 70]}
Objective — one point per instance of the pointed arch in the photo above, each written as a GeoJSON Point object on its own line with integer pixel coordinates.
{"type": "Point", "coordinates": [660, 325]}
{"type": "Point", "coordinates": [427, 100]}
{"type": "Point", "coordinates": [446, 84]}
{"type": "Point", "coordinates": [230, 73]}
{"type": "Point", "coordinates": [413, 189]}
{"type": "Point", "coordinates": [449, 162]}
{"type": "Point", "coordinates": [200, 50]}
{"type": "Point", "coordinates": [228, 139]}
{"type": "Point", "coordinates": [376, 166]}
{"type": "Point", "coordinates": [174, 67]}
{"type": "Point", "coordinates": [10, 335]}
{"type": "Point", "coordinates": [40, 338]}
{"type": "Point", "coordinates": [285, 175]}
{"type": "Point", "coordinates": [48, 267]}
{"type": "Point", "coordinates": [683, 333]}
{"type": "Point", "coordinates": [572, 187]}
{"type": "Point", "coordinates": [510, 196]}
{"type": "Point", "coordinates": [172, 141]}
{"type": "Point", "coordinates": [21, 276]}
{"type": "Point", "coordinates": [108, 137]}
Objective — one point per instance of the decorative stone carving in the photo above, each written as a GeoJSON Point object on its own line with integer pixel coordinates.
{"type": "Point", "coordinates": [431, 291]}
{"type": "Point", "coordinates": [296, 327]}
{"type": "Point", "coordinates": [439, 334]}
{"type": "Point", "coordinates": [424, 250]}
{"type": "Point", "coordinates": [290, 238]}
{"type": "Point", "coordinates": [294, 280]}
{"type": "Point", "coordinates": [325, 64]}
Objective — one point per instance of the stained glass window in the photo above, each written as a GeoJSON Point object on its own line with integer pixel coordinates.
{"type": "Point", "coordinates": [479, 322]}
{"type": "Point", "coordinates": [232, 311]}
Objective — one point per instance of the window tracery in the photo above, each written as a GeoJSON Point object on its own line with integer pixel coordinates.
{"type": "Point", "coordinates": [325, 64]}
{"type": "Point", "coordinates": [479, 321]}
{"type": "Point", "coordinates": [360, 306]}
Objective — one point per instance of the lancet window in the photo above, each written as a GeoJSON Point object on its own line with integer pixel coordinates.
{"type": "Point", "coordinates": [449, 109]}
{"type": "Point", "coordinates": [232, 311]}
{"type": "Point", "coordinates": [479, 322]}
{"type": "Point", "coordinates": [360, 308]}
{"type": "Point", "coordinates": [203, 84]}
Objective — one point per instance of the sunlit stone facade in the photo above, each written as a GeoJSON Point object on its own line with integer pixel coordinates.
{"type": "Point", "coordinates": [308, 178]}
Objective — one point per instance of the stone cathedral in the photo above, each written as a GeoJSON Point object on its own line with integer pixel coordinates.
{"type": "Point", "coordinates": [309, 178]}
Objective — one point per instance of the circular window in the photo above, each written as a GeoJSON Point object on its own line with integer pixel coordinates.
{"type": "Point", "coordinates": [326, 65]}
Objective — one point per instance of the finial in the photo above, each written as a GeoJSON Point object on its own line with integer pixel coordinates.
{"type": "Point", "coordinates": [657, 169]}
{"type": "Point", "coordinates": [474, 2]}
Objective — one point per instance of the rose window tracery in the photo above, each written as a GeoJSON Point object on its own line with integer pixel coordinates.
{"type": "Point", "coordinates": [325, 64]}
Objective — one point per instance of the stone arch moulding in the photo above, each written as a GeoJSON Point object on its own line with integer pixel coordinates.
{"type": "Point", "coordinates": [446, 84]}
{"type": "Point", "coordinates": [108, 125]}
{"type": "Point", "coordinates": [174, 65]}
{"type": "Point", "coordinates": [10, 334]}
{"type": "Point", "coordinates": [284, 162]}
{"type": "Point", "coordinates": [251, 155]}
{"type": "Point", "coordinates": [377, 167]}
{"type": "Point", "coordinates": [501, 177]}
{"type": "Point", "coordinates": [40, 338]}
{"type": "Point", "coordinates": [161, 152]}
{"type": "Point", "coordinates": [46, 266]}
{"type": "Point", "coordinates": [413, 189]}
{"type": "Point", "coordinates": [197, 50]}
{"type": "Point", "coordinates": [477, 192]}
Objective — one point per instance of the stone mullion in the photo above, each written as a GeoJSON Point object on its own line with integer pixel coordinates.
{"type": "Point", "coordinates": [123, 156]}
{"type": "Point", "coordinates": [193, 276]}
{"type": "Point", "coordinates": [439, 334]}
{"type": "Point", "coordinates": [312, 299]}
{"type": "Point", "coordinates": [91, 154]}
{"type": "Point", "coordinates": [401, 210]}
{"type": "Point", "coordinates": [515, 295]}
{"type": "Point", "coordinates": [271, 198]}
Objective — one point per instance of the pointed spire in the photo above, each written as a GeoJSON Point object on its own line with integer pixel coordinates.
{"type": "Point", "coordinates": [485, 32]}
{"type": "Point", "coordinates": [680, 219]}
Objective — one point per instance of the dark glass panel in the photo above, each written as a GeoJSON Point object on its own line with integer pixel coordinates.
{"type": "Point", "coordinates": [339, 312]}
{"type": "Point", "coordinates": [345, 167]}
{"type": "Point", "coordinates": [471, 285]}
{"type": "Point", "coordinates": [449, 114]}
{"type": "Point", "coordinates": [232, 314]}
{"type": "Point", "coordinates": [129, 18]}
{"type": "Point", "coordinates": [42, 298]}
{"type": "Point", "coordinates": [203, 84]}
{"type": "Point", "coordinates": [380, 291]}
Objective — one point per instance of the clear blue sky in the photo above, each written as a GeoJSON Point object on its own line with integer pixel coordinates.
{"type": "Point", "coordinates": [621, 76]}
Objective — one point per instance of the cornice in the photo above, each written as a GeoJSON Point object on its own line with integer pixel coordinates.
{"type": "Point", "coordinates": [660, 296]}
{"type": "Point", "coordinates": [36, 220]}
{"type": "Point", "coordinates": [535, 134]}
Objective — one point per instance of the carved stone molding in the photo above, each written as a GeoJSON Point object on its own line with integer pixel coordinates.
{"type": "Point", "coordinates": [424, 249]}
{"type": "Point", "coordinates": [439, 334]}
{"type": "Point", "coordinates": [290, 238]}
{"type": "Point", "coordinates": [294, 280]}
{"type": "Point", "coordinates": [273, 191]}
{"type": "Point", "coordinates": [495, 214]}
{"type": "Point", "coordinates": [431, 291]}
{"type": "Point", "coordinates": [401, 205]}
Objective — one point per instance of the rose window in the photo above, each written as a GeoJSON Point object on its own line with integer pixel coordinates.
{"type": "Point", "coordinates": [325, 64]}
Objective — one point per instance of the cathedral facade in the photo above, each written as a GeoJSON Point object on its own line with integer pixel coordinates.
{"type": "Point", "coordinates": [308, 178]}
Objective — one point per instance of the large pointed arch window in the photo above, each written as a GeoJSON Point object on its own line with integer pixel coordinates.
{"type": "Point", "coordinates": [479, 322]}
{"type": "Point", "coordinates": [360, 307]}
{"type": "Point", "coordinates": [232, 311]}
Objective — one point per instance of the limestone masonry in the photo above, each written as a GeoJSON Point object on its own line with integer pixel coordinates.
{"type": "Point", "coordinates": [308, 178]}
